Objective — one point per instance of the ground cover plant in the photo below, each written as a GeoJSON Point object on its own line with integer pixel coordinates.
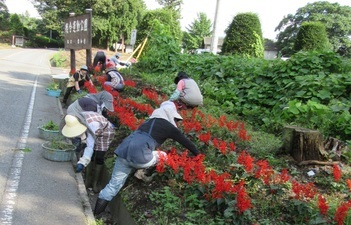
{"type": "Point", "coordinates": [244, 176]}
{"type": "Point", "coordinates": [233, 182]}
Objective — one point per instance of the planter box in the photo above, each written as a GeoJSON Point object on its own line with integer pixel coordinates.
{"type": "Point", "coordinates": [53, 93]}
{"type": "Point", "coordinates": [49, 134]}
{"type": "Point", "coordinates": [56, 154]}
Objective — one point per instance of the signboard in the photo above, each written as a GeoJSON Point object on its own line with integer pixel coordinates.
{"type": "Point", "coordinates": [133, 37]}
{"type": "Point", "coordinates": [78, 32]}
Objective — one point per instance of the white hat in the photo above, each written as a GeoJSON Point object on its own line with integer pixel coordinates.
{"type": "Point", "coordinates": [73, 127]}
{"type": "Point", "coordinates": [167, 111]}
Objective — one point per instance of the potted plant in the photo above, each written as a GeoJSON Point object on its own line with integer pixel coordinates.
{"type": "Point", "coordinates": [58, 150]}
{"type": "Point", "coordinates": [53, 89]}
{"type": "Point", "coordinates": [49, 131]}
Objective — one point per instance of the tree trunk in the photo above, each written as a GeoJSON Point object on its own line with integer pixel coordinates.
{"type": "Point", "coordinates": [123, 47]}
{"type": "Point", "coordinates": [304, 144]}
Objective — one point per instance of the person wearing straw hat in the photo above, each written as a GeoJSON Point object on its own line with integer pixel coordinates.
{"type": "Point", "coordinates": [98, 134]}
{"type": "Point", "coordinates": [101, 103]}
{"type": "Point", "coordinates": [138, 150]}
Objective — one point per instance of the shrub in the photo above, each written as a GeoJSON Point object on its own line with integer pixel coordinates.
{"type": "Point", "coordinates": [312, 36]}
{"type": "Point", "coordinates": [244, 36]}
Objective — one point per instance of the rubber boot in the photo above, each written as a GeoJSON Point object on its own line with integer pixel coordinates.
{"type": "Point", "coordinates": [96, 177]}
{"type": "Point", "coordinates": [100, 206]}
{"type": "Point", "coordinates": [88, 175]}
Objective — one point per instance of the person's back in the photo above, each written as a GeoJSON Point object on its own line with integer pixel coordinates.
{"type": "Point", "coordinates": [187, 91]}
{"type": "Point", "coordinates": [114, 79]}
{"type": "Point", "coordinates": [191, 94]}
{"type": "Point", "coordinates": [100, 59]}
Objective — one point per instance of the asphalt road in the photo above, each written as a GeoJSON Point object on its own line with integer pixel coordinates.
{"type": "Point", "coordinates": [33, 190]}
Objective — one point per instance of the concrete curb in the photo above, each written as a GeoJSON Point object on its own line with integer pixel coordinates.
{"type": "Point", "coordinates": [88, 212]}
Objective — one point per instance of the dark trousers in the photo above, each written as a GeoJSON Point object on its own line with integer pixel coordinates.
{"type": "Point", "coordinates": [69, 90]}
{"type": "Point", "coordinates": [67, 93]}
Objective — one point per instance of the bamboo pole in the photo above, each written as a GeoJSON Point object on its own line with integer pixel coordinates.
{"type": "Point", "coordinates": [142, 47]}
{"type": "Point", "coordinates": [133, 52]}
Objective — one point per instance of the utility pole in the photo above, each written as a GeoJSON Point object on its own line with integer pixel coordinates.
{"type": "Point", "coordinates": [214, 41]}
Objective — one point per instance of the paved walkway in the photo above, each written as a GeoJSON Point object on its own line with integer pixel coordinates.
{"type": "Point", "coordinates": [57, 194]}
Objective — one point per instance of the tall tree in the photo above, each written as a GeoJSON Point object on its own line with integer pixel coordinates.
{"type": "Point", "coordinates": [335, 17]}
{"type": "Point", "coordinates": [171, 4]}
{"type": "Point", "coordinates": [244, 36]}
{"type": "Point", "coordinates": [114, 19]}
{"type": "Point", "coordinates": [16, 25]}
{"type": "Point", "coordinates": [164, 16]}
{"type": "Point", "coordinates": [200, 28]}
{"type": "Point", "coordinates": [54, 12]}
{"type": "Point", "coordinates": [4, 16]}
{"type": "Point", "coordinates": [130, 15]}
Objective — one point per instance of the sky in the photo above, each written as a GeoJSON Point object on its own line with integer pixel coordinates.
{"type": "Point", "coordinates": [270, 12]}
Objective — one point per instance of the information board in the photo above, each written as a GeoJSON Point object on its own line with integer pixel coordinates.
{"type": "Point", "coordinates": [78, 32]}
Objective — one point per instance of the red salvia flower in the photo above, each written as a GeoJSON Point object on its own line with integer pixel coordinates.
{"type": "Point", "coordinates": [282, 178]}
{"type": "Point", "coordinates": [348, 182]}
{"type": "Point", "coordinates": [304, 191]}
{"type": "Point", "coordinates": [232, 146]}
{"type": "Point", "coordinates": [246, 160]}
{"type": "Point", "coordinates": [243, 200]}
{"type": "Point", "coordinates": [129, 83]}
{"type": "Point", "coordinates": [264, 171]}
{"type": "Point", "coordinates": [205, 138]}
{"type": "Point", "coordinates": [322, 204]}
{"type": "Point", "coordinates": [336, 173]}
{"type": "Point", "coordinates": [341, 212]}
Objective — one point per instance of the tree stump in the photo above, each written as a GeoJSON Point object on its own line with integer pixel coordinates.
{"type": "Point", "coordinates": [304, 144]}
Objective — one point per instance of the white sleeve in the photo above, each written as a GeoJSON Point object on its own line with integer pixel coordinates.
{"type": "Point", "coordinates": [93, 126]}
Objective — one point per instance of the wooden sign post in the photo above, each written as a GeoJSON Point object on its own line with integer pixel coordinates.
{"type": "Point", "coordinates": [78, 35]}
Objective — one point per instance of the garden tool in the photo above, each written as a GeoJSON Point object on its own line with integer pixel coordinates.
{"type": "Point", "coordinates": [96, 177]}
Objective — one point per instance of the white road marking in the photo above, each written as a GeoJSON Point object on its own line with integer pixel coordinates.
{"type": "Point", "coordinates": [9, 200]}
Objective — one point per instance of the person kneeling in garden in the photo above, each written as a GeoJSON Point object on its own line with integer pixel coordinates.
{"type": "Point", "coordinates": [114, 78]}
{"type": "Point", "coordinates": [98, 134]}
{"type": "Point", "coordinates": [138, 150]}
{"type": "Point", "coordinates": [187, 93]}
{"type": "Point", "coordinates": [76, 82]}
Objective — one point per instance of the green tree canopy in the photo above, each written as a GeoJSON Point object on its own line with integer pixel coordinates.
{"type": "Point", "coordinates": [336, 18]}
{"type": "Point", "coordinates": [164, 16]}
{"type": "Point", "coordinates": [200, 28]}
{"type": "Point", "coordinates": [16, 25]}
{"type": "Point", "coordinates": [312, 36]}
{"type": "Point", "coordinates": [4, 16]}
{"type": "Point", "coordinates": [244, 36]}
{"type": "Point", "coordinates": [171, 4]}
{"type": "Point", "coordinates": [112, 19]}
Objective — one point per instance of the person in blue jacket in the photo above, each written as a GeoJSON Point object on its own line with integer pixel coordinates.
{"type": "Point", "coordinates": [138, 150]}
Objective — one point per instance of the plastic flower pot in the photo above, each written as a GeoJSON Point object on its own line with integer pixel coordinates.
{"type": "Point", "coordinates": [49, 134]}
{"type": "Point", "coordinates": [53, 93]}
{"type": "Point", "coordinates": [58, 151]}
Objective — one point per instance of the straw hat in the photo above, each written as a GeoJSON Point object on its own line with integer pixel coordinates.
{"type": "Point", "coordinates": [73, 127]}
